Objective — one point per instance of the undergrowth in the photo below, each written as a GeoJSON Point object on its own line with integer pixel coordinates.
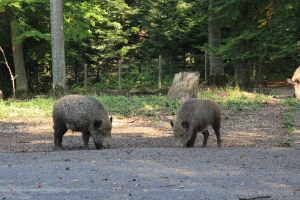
{"type": "Point", "coordinates": [230, 99]}
{"type": "Point", "coordinates": [293, 106]}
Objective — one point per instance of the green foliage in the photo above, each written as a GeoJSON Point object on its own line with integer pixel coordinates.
{"type": "Point", "coordinates": [176, 27]}
{"type": "Point", "coordinates": [293, 106]}
{"type": "Point", "coordinates": [132, 106]}
{"type": "Point", "coordinates": [287, 142]}
{"type": "Point", "coordinates": [120, 106]}
{"type": "Point", "coordinates": [292, 102]}
{"type": "Point", "coordinates": [100, 32]}
{"type": "Point", "coordinates": [172, 106]}
{"type": "Point", "coordinates": [235, 100]}
{"type": "Point", "coordinates": [35, 108]}
{"type": "Point", "coordinates": [231, 100]}
{"type": "Point", "coordinates": [289, 122]}
{"type": "Point", "coordinates": [107, 82]}
{"type": "Point", "coordinates": [270, 28]}
{"type": "Point", "coordinates": [77, 88]}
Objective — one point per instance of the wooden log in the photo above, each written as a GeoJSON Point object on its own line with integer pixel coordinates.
{"type": "Point", "coordinates": [184, 86]}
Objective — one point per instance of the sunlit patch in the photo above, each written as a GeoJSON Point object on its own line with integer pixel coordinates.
{"type": "Point", "coordinates": [144, 132]}
{"type": "Point", "coordinates": [41, 142]}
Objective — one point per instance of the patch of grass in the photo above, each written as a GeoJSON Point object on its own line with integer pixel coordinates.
{"type": "Point", "coordinates": [121, 106]}
{"type": "Point", "coordinates": [172, 106]}
{"type": "Point", "coordinates": [287, 142]}
{"type": "Point", "coordinates": [143, 105]}
{"type": "Point", "coordinates": [293, 105]}
{"type": "Point", "coordinates": [288, 122]}
{"type": "Point", "coordinates": [34, 108]}
{"type": "Point", "coordinates": [233, 99]}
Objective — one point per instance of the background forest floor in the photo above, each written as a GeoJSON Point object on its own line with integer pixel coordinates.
{"type": "Point", "coordinates": [263, 127]}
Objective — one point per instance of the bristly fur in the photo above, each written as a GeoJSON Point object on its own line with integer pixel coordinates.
{"type": "Point", "coordinates": [85, 114]}
{"type": "Point", "coordinates": [196, 115]}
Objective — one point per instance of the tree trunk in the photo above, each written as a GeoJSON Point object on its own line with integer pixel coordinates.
{"type": "Point", "coordinates": [184, 86]}
{"type": "Point", "coordinates": [58, 52]}
{"type": "Point", "coordinates": [260, 72]}
{"type": "Point", "coordinates": [20, 72]}
{"type": "Point", "coordinates": [242, 75]}
{"type": "Point", "coordinates": [242, 69]}
{"type": "Point", "coordinates": [217, 74]}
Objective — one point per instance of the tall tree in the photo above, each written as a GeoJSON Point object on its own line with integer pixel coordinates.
{"type": "Point", "coordinates": [57, 40]}
{"type": "Point", "coordinates": [217, 74]}
{"type": "Point", "coordinates": [242, 67]}
{"type": "Point", "coordinates": [20, 73]}
{"type": "Point", "coordinates": [264, 31]}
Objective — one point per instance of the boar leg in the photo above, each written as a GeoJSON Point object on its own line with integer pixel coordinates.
{"type": "Point", "coordinates": [219, 142]}
{"type": "Point", "coordinates": [86, 137]}
{"type": "Point", "coordinates": [191, 141]}
{"type": "Point", "coordinates": [205, 135]}
{"type": "Point", "coordinates": [58, 135]}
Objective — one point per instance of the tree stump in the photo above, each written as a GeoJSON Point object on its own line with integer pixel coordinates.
{"type": "Point", "coordinates": [184, 86]}
{"type": "Point", "coordinates": [295, 81]}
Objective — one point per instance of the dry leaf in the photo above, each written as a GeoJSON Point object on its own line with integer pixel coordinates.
{"type": "Point", "coordinates": [40, 185]}
{"type": "Point", "coordinates": [119, 188]}
{"type": "Point", "coordinates": [12, 192]}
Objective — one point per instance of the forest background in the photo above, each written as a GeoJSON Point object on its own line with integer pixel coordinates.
{"type": "Point", "coordinates": [247, 41]}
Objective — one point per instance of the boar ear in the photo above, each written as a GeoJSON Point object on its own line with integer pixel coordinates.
{"type": "Point", "coordinates": [185, 124]}
{"type": "Point", "coordinates": [172, 124]}
{"type": "Point", "coordinates": [110, 119]}
{"type": "Point", "coordinates": [98, 123]}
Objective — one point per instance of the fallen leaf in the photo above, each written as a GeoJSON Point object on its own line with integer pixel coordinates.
{"type": "Point", "coordinates": [59, 177]}
{"type": "Point", "coordinates": [76, 180]}
{"type": "Point", "coordinates": [12, 192]}
{"type": "Point", "coordinates": [182, 186]}
{"type": "Point", "coordinates": [296, 189]}
{"type": "Point", "coordinates": [119, 188]}
{"type": "Point", "coordinates": [40, 185]}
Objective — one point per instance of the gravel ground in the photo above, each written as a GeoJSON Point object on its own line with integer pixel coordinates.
{"type": "Point", "coordinates": [144, 173]}
{"type": "Point", "coordinates": [143, 164]}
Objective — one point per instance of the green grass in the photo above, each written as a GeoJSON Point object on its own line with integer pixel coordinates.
{"type": "Point", "coordinates": [293, 106]}
{"type": "Point", "coordinates": [234, 99]}
{"type": "Point", "coordinates": [34, 108]}
{"type": "Point", "coordinates": [133, 106]}
{"type": "Point", "coordinates": [231, 99]}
